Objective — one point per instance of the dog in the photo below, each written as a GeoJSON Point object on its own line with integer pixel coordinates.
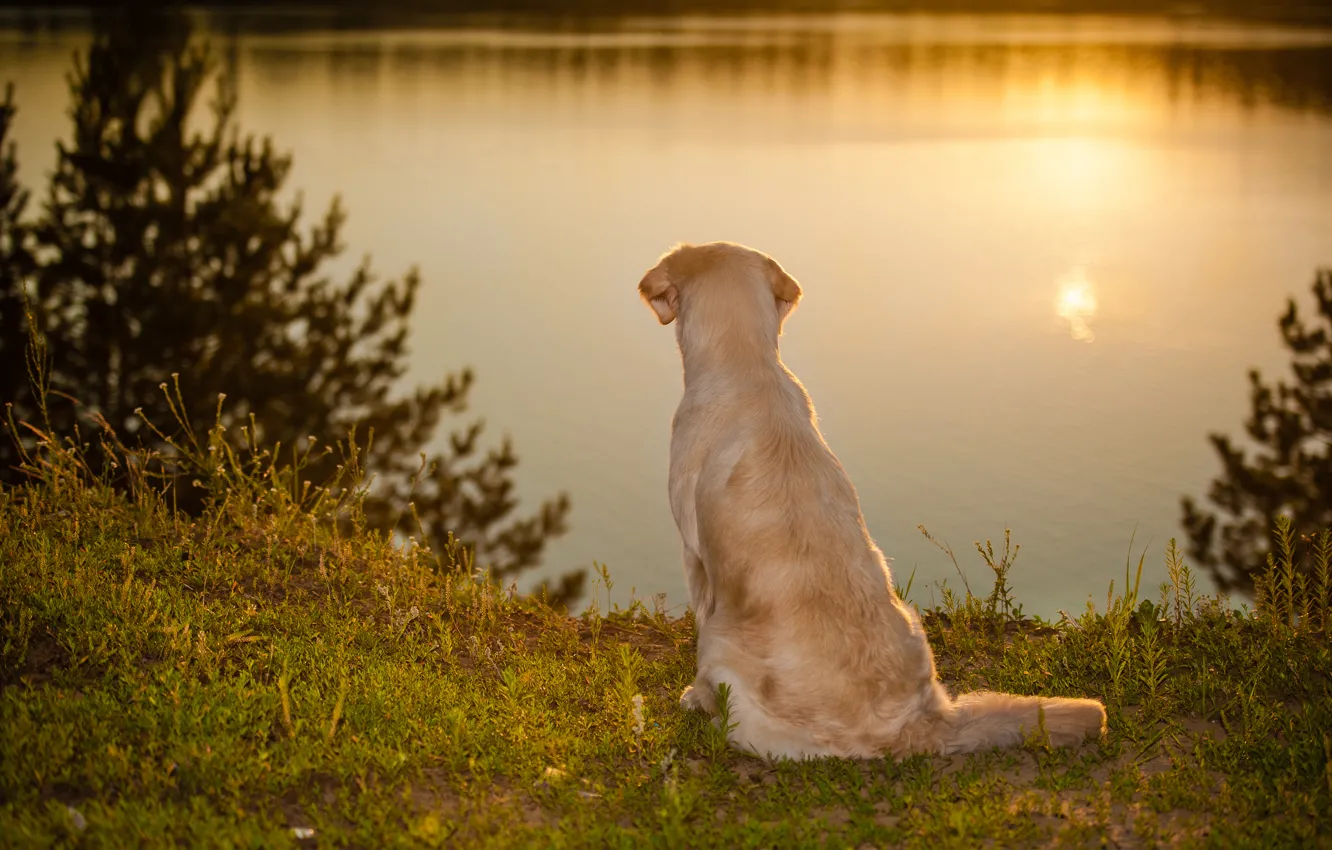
{"type": "Point", "coordinates": [793, 601]}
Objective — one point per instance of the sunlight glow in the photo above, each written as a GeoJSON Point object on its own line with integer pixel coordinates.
{"type": "Point", "coordinates": [1076, 304]}
{"type": "Point", "coordinates": [1082, 170]}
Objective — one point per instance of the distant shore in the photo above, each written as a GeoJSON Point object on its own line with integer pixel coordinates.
{"type": "Point", "coordinates": [434, 12]}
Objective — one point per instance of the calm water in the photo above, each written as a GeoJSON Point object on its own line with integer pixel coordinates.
{"type": "Point", "coordinates": [1038, 254]}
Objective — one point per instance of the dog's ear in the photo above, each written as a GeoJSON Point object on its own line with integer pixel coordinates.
{"type": "Point", "coordinates": [660, 293]}
{"type": "Point", "coordinates": [784, 288]}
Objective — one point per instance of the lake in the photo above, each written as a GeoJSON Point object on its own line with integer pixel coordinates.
{"type": "Point", "coordinates": [1038, 254]}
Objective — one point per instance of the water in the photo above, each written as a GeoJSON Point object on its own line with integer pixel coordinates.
{"type": "Point", "coordinates": [1038, 254]}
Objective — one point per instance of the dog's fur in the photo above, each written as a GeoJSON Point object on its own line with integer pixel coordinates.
{"type": "Point", "coordinates": [794, 602]}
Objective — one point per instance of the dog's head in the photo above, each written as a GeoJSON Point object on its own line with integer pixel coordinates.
{"type": "Point", "coordinates": [692, 280]}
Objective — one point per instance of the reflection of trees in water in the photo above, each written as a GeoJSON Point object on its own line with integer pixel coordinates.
{"type": "Point", "coordinates": [293, 15]}
{"type": "Point", "coordinates": [1297, 78]}
{"type": "Point", "coordinates": [793, 61]}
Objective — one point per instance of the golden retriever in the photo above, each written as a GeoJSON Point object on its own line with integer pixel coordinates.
{"type": "Point", "coordinates": [794, 602]}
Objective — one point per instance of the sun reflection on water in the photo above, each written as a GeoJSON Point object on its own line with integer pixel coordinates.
{"type": "Point", "coordinates": [1076, 304]}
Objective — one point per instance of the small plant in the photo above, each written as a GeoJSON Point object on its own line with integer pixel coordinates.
{"type": "Point", "coordinates": [721, 727]}
{"type": "Point", "coordinates": [1038, 739]}
{"type": "Point", "coordinates": [1000, 604]}
{"type": "Point", "coordinates": [904, 592]}
{"type": "Point", "coordinates": [1287, 596]}
{"type": "Point", "coordinates": [1181, 584]}
{"type": "Point", "coordinates": [603, 572]}
{"type": "Point", "coordinates": [337, 709]}
{"type": "Point", "coordinates": [1321, 586]}
{"type": "Point", "coordinates": [284, 694]}
{"type": "Point", "coordinates": [1151, 660]}
{"type": "Point", "coordinates": [997, 609]}
{"type": "Point", "coordinates": [629, 697]}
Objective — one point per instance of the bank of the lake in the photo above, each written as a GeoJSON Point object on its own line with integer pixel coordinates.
{"type": "Point", "coordinates": [256, 676]}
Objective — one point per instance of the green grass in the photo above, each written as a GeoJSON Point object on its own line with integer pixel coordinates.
{"type": "Point", "coordinates": [227, 679]}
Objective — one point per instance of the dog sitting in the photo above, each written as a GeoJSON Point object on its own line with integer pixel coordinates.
{"type": "Point", "coordinates": [793, 601]}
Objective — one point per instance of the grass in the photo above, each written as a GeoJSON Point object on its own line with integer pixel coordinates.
{"type": "Point", "coordinates": [267, 674]}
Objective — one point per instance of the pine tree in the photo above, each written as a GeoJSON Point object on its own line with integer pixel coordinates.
{"type": "Point", "coordinates": [1290, 470]}
{"type": "Point", "coordinates": [166, 256]}
{"type": "Point", "coordinates": [16, 265]}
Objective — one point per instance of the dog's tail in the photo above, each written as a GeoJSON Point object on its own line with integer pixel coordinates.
{"type": "Point", "coordinates": [986, 719]}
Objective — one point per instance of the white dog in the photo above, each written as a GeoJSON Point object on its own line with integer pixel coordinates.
{"type": "Point", "coordinates": [794, 603]}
